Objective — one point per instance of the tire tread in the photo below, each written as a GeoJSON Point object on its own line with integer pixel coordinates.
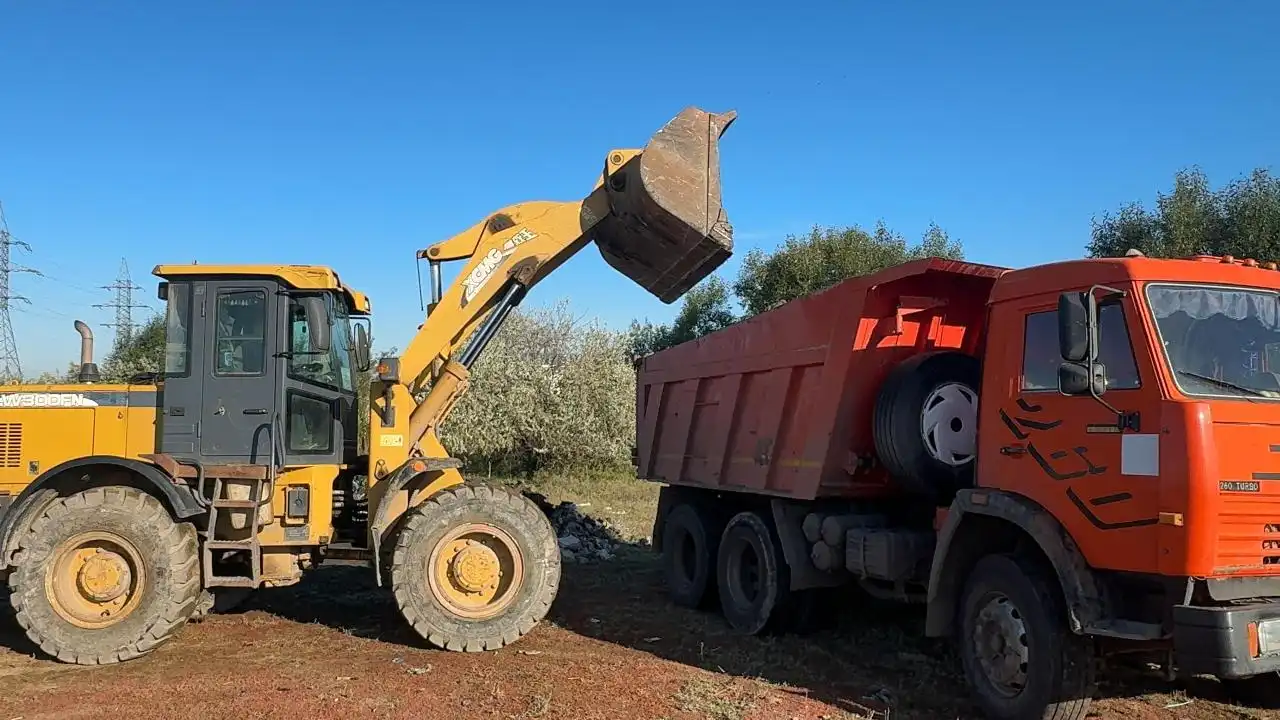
{"type": "Point", "coordinates": [416, 523]}
{"type": "Point", "coordinates": [150, 517]}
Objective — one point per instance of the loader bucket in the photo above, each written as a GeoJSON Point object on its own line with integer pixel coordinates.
{"type": "Point", "coordinates": [667, 229]}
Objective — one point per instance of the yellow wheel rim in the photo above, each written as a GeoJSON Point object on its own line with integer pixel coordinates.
{"type": "Point", "coordinates": [95, 580]}
{"type": "Point", "coordinates": [475, 571]}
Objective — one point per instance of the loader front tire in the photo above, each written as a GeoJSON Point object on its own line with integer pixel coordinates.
{"type": "Point", "coordinates": [475, 568]}
{"type": "Point", "coordinates": [104, 576]}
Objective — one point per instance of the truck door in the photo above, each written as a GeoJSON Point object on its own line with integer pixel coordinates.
{"type": "Point", "coordinates": [240, 382]}
{"type": "Point", "coordinates": [1069, 453]}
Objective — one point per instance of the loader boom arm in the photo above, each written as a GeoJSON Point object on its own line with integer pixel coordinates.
{"type": "Point", "coordinates": [504, 255]}
{"type": "Point", "coordinates": [654, 212]}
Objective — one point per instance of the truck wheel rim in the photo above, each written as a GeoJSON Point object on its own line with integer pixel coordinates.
{"type": "Point", "coordinates": [475, 571]}
{"type": "Point", "coordinates": [949, 423]}
{"type": "Point", "coordinates": [95, 580]}
{"type": "Point", "coordinates": [999, 644]}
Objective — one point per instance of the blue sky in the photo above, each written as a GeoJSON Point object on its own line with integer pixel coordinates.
{"type": "Point", "coordinates": [353, 133]}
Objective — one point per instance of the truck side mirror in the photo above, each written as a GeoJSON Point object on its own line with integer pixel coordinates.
{"type": "Point", "coordinates": [362, 348]}
{"type": "Point", "coordinates": [162, 291]}
{"type": "Point", "coordinates": [318, 332]}
{"type": "Point", "coordinates": [1077, 327]}
{"type": "Point", "coordinates": [1073, 379]}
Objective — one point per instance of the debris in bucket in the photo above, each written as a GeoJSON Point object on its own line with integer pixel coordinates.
{"type": "Point", "coordinates": [582, 538]}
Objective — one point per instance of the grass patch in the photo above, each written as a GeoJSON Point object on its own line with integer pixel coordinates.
{"type": "Point", "coordinates": [718, 699]}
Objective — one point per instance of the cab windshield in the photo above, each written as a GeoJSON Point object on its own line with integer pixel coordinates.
{"type": "Point", "coordinates": [331, 369]}
{"type": "Point", "coordinates": [1220, 341]}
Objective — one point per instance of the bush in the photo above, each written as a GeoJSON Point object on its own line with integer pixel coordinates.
{"type": "Point", "coordinates": [550, 391]}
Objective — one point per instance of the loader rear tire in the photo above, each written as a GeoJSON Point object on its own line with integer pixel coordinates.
{"type": "Point", "coordinates": [475, 568]}
{"type": "Point", "coordinates": [104, 576]}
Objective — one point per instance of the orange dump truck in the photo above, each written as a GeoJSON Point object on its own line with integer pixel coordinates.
{"type": "Point", "coordinates": [1042, 457]}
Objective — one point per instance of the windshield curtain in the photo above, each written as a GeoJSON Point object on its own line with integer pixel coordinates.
{"type": "Point", "coordinates": [1220, 341]}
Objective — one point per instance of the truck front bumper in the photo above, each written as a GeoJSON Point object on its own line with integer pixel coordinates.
{"type": "Point", "coordinates": [1227, 642]}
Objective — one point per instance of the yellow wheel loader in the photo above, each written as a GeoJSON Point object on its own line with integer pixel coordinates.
{"type": "Point", "coordinates": [129, 509]}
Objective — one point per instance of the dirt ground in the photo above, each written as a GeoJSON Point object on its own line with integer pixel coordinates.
{"type": "Point", "coordinates": [614, 648]}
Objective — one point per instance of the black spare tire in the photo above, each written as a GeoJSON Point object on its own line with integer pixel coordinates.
{"type": "Point", "coordinates": [926, 423]}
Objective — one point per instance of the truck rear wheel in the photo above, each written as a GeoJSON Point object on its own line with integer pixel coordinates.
{"type": "Point", "coordinates": [926, 423]}
{"type": "Point", "coordinates": [1019, 658]}
{"type": "Point", "coordinates": [751, 576]}
{"type": "Point", "coordinates": [688, 556]}
{"type": "Point", "coordinates": [475, 568]}
{"type": "Point", "coordinates": [104, 575]}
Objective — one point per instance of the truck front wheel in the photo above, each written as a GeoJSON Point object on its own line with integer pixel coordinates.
{"type": "Point", "coordinates": [1020, 660]}
{"type": "Point", "coordinates": [475, 568]}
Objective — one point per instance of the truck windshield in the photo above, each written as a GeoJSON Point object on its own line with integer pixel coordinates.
{"type": "Point", "coordinates": [1220, 341]}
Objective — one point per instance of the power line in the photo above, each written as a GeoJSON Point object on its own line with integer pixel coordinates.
{"type": "Point", "coordinates": [10, 364]}
{"type": "Point", "coordinates": [123, 304]}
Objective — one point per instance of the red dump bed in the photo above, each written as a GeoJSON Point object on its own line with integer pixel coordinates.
{"type": "Point", "coordinates": [781, 404]}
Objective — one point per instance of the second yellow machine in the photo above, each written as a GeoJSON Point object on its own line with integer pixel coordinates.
{"type": "Point", "coordinates": [128, 509]}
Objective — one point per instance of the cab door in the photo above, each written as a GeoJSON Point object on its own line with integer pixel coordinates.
{"type": "Point", "coordinates": [241, 372]}
{"type": "Point", "coordinates": [1070, 453]}
{"type": "Point", "coordinates": [319, 397]}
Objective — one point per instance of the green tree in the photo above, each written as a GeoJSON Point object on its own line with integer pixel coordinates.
{"type": "Point", "coordinates": [800, 266]}
{"type": "Point", "coordinates": [55, 378]}
{"type": "Point", "coordinates": [144, 353]}
{"type": "Point", "coordinates": [550, 390]}
{"type": "Point", "coordinates": [806, 265]}
{"type": "Point", "coordinates": [707, 307]}
{"type": "Point", "coordinates": [1241, 218]}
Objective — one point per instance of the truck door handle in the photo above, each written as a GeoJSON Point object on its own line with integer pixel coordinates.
{"type": "Point", "coordinates": [1013, 450]}
{"type": "Point", "coordinates": [255, 411]}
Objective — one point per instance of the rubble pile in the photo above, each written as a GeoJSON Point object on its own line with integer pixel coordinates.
{"type": "Point", "coordinates": [582, 538]}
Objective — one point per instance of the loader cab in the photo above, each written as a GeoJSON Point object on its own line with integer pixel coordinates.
{"type": "Point", "coordinates": [261, 366]}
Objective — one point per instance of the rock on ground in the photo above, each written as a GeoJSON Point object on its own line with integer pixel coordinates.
{"type": "Point", "coordinates": [582, 538]}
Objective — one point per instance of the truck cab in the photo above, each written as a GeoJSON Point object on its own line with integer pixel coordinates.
{"type": "Point", "coordinates": [1158, 447]}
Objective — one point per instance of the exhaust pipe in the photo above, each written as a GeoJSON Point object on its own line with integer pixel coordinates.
{"type": "Point", "coordinates": [88, 368]}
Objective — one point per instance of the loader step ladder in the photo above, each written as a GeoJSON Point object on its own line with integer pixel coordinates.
{"type": "Point", "coordinates": [213, 543]}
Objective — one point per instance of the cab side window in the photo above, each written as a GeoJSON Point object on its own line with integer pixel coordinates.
{"type": "Point", "coordinates": [177, 326]}
{"type": "Point", "coordinates": [240, 333]}
{"type": "Point", "coordinates": [1040, 358]}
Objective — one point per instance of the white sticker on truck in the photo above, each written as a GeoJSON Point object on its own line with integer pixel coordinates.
{"type": "Point", "coordinates": [1140, 454]}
